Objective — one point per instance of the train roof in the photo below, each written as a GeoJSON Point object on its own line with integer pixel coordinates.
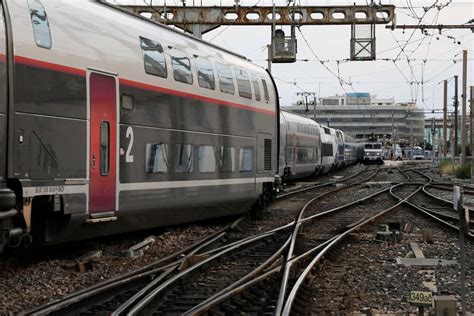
{"type": "Point", "coordinates": [292, 117]}
{"type": "Point", "coordinates": [113, 6]}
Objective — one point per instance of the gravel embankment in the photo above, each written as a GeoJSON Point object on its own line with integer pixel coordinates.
{"type": "Point", "coordinates": [51, 273]}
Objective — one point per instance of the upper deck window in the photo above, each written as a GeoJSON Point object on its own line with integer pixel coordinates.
{"type": "Point", "coordinates": [154, 58]}
{"type": "Point", "coordinates": [40, 23]}
{"type": "Point", "coordinates": [226, 79]}
{"type": "Point", "coordinates": [181, 66]}
{"type": "Point", "coordinates": [205, 73]}
{"type": "Point", "coordinates": [243, 83]}
{"type": "Point", "coordinates": [256, 88]}
{"type": "Point", "coordinates": [265, 90]}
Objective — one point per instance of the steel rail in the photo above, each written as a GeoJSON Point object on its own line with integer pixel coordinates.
{"type": "Point", "coordinates": [254, 274]}
{"type": "Point", "coordinates": [432, 214]}
{"type": "Point", "coordinates": [309, 188]}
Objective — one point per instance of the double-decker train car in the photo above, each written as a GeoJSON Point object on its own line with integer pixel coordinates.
{"type": "Point", "coordinates": [353, 151]}
{"type": "Point", "coordinates": [111, 123]}
{"type": "Point", "coordinates": [328, 148]}
{"type": "Point", "coordinates": [300, 142]}
{"type": "Point", "coordinates": [340, 161]}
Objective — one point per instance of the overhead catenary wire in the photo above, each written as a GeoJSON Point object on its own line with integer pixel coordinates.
{"type": "Point", "coordinates": [341, 81]}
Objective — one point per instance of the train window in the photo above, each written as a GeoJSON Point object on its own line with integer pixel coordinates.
{"type": "Point", "coordinates": [246, 159]}
{"type": "Point", "coordinates": [256, 87]}
{"type": "Point", "coordinates": [205, 73]}
{"type": "Point", "coordinates": [327, 131]}
{"type": "Point", "coordinates": [265, 90]}
{"type": "Point", "coordinates": [184, 158]}
{"type": "Point", "coordinates": [156, 158]}
{"type": "Point", "coordinates": [181, 66]}
{"type": "Point", "coordinates": [227, 159]}
{"type": "Point", "coordinates": [154, 57]}
{"type": "Point", "coordinates": [104, 148]}
{"type": "Point", "coordinates": [243, 83]}
{"type": "Point", "coordinates": [207, 158]}
{"type": "Point", "coordinates": [127, 102]}
{"type": "Point", "coordinates": [226, 79]}
{"type": "Point", "coordinates": [40, 23]}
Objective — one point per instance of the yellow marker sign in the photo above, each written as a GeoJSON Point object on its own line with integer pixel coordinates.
{"type": "Point", "coordinates": [421, 298]}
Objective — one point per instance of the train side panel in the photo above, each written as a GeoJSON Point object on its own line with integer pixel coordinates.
{"type": "Point", "coordinates": [172, 150]}
{"type": "Point", "coordinates": [301, 146]}
{"type": "Point", "coordinates": [3, 98]}
{"type": "Point", "coordinates": [339, 136]}
{"type": "Point", "coordinates": [327, 149]}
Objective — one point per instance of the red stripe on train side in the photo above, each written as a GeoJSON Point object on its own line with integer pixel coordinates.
{"type": "Point", "coordinates": [149, 87]}
{"type": "Point", "coordinates": [49, 66]}
{"type": "Point", "coordinates": [79, 72]}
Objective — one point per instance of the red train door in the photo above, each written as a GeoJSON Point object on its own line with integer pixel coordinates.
{"type": "Point", "coordinates": [103, 142]}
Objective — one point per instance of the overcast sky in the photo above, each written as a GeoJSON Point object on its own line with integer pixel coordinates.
{"type": "Point", "coordinates": [436, 57]}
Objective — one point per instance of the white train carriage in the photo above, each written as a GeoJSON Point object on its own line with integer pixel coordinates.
{"type": "Point", "coordinates": [340, 161]}
{"type": "Point", "coordinates": [328, 148]}
{"type": "Point", "coordinates": [300, 153]}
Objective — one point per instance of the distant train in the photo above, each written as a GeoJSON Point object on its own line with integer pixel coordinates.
{"type": "Point", "coordinates": [373, 153]}
{"type": "Point", "coordinates": [308, 148]}
{"type": "Point", "coordinates": [111, 123]}
{"type": "Point", "coordinates": [418, 153]}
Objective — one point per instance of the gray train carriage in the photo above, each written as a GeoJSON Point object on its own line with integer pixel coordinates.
{"type": "Point", "coordinates": [340, 161]}
{"type": "Point", "coordinates": [328, 148]}
{"type": "Point", "coordinates": [112, 123]}
{"type": "Point", "coordinates": [351, 150]}
{"type": "Point", "coordinates": [300, 153]}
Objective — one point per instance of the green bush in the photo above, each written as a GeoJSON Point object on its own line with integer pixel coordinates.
{"type": "Point", "coordinates": [464, 172]}
{"type": "Point", "coordinates": [445, 167]}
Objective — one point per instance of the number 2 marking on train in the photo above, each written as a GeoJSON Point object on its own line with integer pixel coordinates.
{"type": "Point", "coordinates": [129, 134]}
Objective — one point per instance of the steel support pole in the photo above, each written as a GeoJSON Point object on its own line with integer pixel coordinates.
{"type": "Point", "coordinates": [472, 143]}
{"type": "Point", "coordinates": [453, 159]}
{"type": "Point", "coordinates": [463, 117]}
{"type": "Point", "coordinates": [445, 119]}
{"type": "Point", "coordinates": [456, 104]}
{"type": "Point", "coordinates": [459, 207]}
{"type": "Point", "coordinates": [269, 65]}
{"type": "Point", "coordinates": [314, 105]}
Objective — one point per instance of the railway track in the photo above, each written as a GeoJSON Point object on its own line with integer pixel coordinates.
{"type": "Point", "coordinates": [98, 297]}
{"type": "Point", "coordinates": [82, 300]}
{"type": "Point", "coordinates": [320, 230]}
{"type": "Point", "coordinates": [265, 273]}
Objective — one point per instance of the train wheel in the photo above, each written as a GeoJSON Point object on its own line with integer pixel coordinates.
{"type": "Point", "coordinates": [7, 215]}
{"type": "Point", "coordinates": [258, 208]}
{"type": "Point", "coordinates": [5, 227]}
